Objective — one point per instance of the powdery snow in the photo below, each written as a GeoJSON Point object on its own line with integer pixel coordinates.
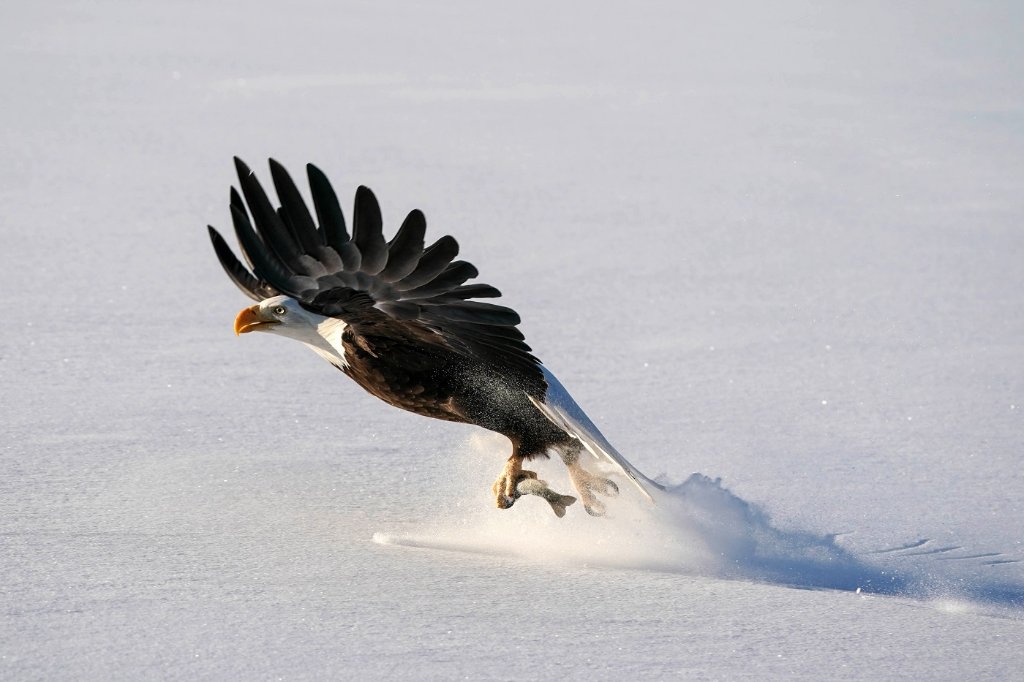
{"type": "Point", "coordinates": [779, 247]}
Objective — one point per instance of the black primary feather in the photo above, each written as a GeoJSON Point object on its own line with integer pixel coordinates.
{"type": "Point", "coordinates": [478, 313]}
{"type": "Point", "coordinates": [432, 263]}
{"type": "Point", "coordinates": [406, 248]}
{"type": "Point", "coordinates": [367, 232]}
{"type": "Point", "coordinates": [254, 288]}
{"type": "Point", "coordinates": [331, 218]}
{"type": "Point", "coordinates": [465, 292]}
{"type": "Point", "coordinates": [238, 203]}
{"type": "Point", "coordinates": [452, 276]}
{"type": "Point", "coordinates": [298, 214]}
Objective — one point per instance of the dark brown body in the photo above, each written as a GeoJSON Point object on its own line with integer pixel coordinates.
{"type": "Point", "coordinates": [434, 381]}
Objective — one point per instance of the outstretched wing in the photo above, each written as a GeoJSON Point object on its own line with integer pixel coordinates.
{"type": "Point", "coordinates": [330, 272]}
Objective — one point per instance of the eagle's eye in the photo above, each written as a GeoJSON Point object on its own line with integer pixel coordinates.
{"type": "Point", "coordinates": [279, 310]}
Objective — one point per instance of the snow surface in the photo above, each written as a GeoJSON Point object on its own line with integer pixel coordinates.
{"type": "Point", "coordinates": [780, 246]}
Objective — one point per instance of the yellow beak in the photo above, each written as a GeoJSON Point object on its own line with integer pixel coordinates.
{"type": "Point", "coordinates": [248, 320]}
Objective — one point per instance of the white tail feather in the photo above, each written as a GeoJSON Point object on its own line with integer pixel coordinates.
{"type": "Point", "coordinates": [562, 410]}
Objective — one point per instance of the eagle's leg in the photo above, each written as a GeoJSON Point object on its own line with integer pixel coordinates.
{"type": "Point", "coordinates": [505, 487]}
{"type": "Point", "coordinates": [586, 483]}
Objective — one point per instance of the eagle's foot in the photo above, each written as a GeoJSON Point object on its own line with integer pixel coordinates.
{"type": "Point", "coordinates": [504, 488]}
{"type": "Point", "coordinates": [590, 485]}
{"type": "Point", "coordinates": [514, 482]}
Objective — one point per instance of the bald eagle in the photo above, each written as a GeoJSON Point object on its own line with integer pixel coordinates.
{"type": "Point", "coordinates": [399, 318]}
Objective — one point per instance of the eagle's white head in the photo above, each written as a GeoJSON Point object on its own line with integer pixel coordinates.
{"type": "Point", "coordinates": [284, 316]}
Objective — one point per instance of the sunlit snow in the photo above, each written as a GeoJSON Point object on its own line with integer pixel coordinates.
{"type": "Point", "coordinates": [775, 251]}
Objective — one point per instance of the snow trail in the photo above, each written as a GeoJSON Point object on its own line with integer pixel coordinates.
{"type": "Point", "coordinates": [696, 527]}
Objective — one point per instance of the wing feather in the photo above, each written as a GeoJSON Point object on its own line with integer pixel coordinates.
{"type": "Point", "coordinates": [254, 288]}
{"type": "Point", "coordinates": [477, 312]}
{"type": "Point", "coordinates": [237, 203]}
{"type": "Point", "coordinates": [452, 276]}
{"type": "Point", "coordinates": [432, 263]}
{"type": "Point", "coordinates": [406, 248]}
{"type": "Point", "coordinates": [328, 208]}
{"type": "Point", "coordinates": [367, 232]}
{"type": "Point", "coordinates": [295, 208]}
{"type": "Point", "coordinates": [331, 217]}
